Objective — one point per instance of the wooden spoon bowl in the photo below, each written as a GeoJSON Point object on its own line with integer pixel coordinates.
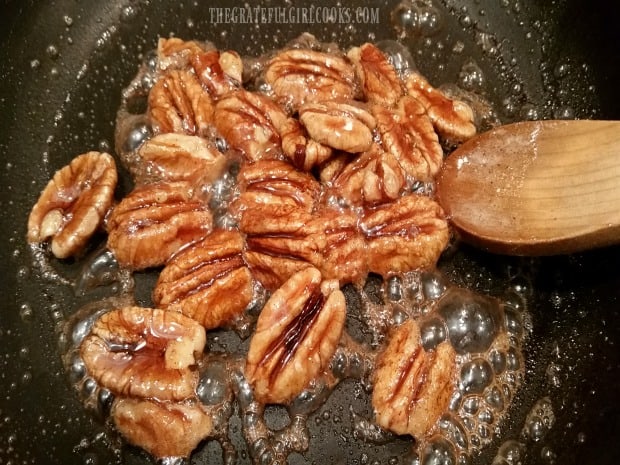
{"type": "Point", "coordinates": [536, 188]}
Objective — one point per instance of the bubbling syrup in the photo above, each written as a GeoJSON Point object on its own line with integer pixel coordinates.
{"type": "Point", "coordinates": [487, 335]}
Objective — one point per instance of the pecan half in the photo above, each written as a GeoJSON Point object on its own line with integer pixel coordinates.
{"type": "Point", "coordinates": [332, 168]}
{"type": "Point", "coordinates": [143, 352]}
{"type": "Point", "coordinates": [453, 119]}
{"type": "Point", "coordinates": [74, 203]}
{"type": "Point", "coordinates": [384, 179]}
{"type": "Point", "coordinates": [219, 72]}
{"type": "Point", "coordinates": [178, 157]}
{"type": "Point", "coordinates": [344, 255]}
{"type": "Point", "coordinates": [373, 177]}
{"type": "Point", "coordinates": [155, 221]}
{"type": "Point", "coordinates": [163, 429]}
{"type": "Point", "coordinates": [408, 134]}
{"type": "Point", "coordinates": [298, 76]}
{"type": "Point", "coordinates": [404, 235]}
{"type": "Point", "coordinates": [280, 240]}
{"type": "Point", "coordinates": [231, 65]}
{"type": "Point", "coordinates": [378, 78]}
{"type": "Point", "coordinates": [175, 53]}
{"type": "Point", "coordinates": [275, 182]}
{"type": "Point", "coordinates": [207, 281]}
{"type": "Point", "coordinates": [412, 386]}
{"type": "Point", "coordinates": [296, 335]}
{"type": "Point", "coordinates": [251, 123]}
{"type": "Point", "coordinates": [178, 103]}
{"type": "Point", "coordinates": [343, 126]}
{"type": "Point", "coordinates": [303, 151]}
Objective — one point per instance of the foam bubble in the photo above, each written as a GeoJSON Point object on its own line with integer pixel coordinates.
{"type": "Point", "coordinates": [398, 55]}
{"type": "Point", "coordinates": [432, 332]}
{"type": "Point", "coordinates": [434, 285]}
{"type": "Point", "coordinates": [475, 376]}
{"type": "Point", "coordinates": [473, 321]}
{"type": "Point", "coordinates": [438, 451]}
{"type": "Point", "coordinates": [417, 18]}
{"type": "Point", "coordinates": [452, 429]}
{"type": "Point", "coordinates": [471, 77]}
{"type": "Point", "coordinates": [213, 387]}
{"type": "Point", "coordinates": [540, 419]}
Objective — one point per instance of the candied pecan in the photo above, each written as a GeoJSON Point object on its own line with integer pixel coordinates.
{"type": "Point", "coordinates": [407, 133]}
{"type": "Point", "coordinates": [377, 76]}
{"type": "Point", "coordinates": [251, 123]}
{"type": "Point", "coordinates": [296, 335]}
{"type": "Point", "coordinates": [303, 151]}
{"type": "Point", "coordinates": [384, 179]}
{"type": "Point", "coordinates": [144, 352]}
{"type": "Point", "coordinates": [453, 119]}
{"type": "Point", "coordinates": [298, 76]}
{"type": "Point", "coordinates": [178, 103]}
{"type": "Point", "coordinates": [271, 182]}
{"type": "Point", "coordinates": [154, 221]}
{"type": "Point", "coordinates": [74, 203]}
{"type": "Point", "coordinates": [344, 175]}
{"type": "Point", "coordinates": [175, 53]}
{"type": "Point", "coordinates": [332, 168]}
{"type": "Point", "coordinates": [412, 386]}
{"type": "Point", "coordinates": [219, 72]}
{"type": "Point", "coordinates": [344, 255]}
{"type": "Point", "coordinates": [280, 240]}
{"type": "Point", "coordinates": [163, 429]}
{"type": "Point", "coordinates": [404, 235]}
{"type": "Point", "coordinates": [207, 281]}
{"type": "Point", "coordinates": [344, 126]}
{"type": "Point", "coordinates": [373, 177]}
{"type": "Point", "coordinates": [178, 157]}
{"type": "Point", "coordinates": [231, 65]}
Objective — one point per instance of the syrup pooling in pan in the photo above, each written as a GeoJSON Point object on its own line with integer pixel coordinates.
{"type": "Point", "coordinates": [291, 203]}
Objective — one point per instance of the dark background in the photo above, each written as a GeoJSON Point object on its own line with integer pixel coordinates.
{"type": "Point", "coordinates": [57, 104]}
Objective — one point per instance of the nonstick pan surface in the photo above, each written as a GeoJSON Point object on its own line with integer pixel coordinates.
{"type": "Point", "coordinates": [63, 65]}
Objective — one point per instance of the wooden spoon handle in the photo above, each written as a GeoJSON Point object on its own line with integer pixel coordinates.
{"type": "Point", "coordinates": [536, 188]}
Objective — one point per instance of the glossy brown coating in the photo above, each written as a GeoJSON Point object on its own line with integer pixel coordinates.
{"type": "Point", "coordinates": [378, 78]}
{"type": "Point", "coordinates": [412, 386]}
{"type": "Point", "coordinates": [143, 352]}
{"type": "Point", "coordinates": [74, 203]}
{"type": "Point", "coordinates": [296, 335]}
{"type": "Point", "coordinates": [155, 221]}
{"type": "Point", "coordinates": [208, 281]}
{"type": "Point", "coordinates": [163, 429]}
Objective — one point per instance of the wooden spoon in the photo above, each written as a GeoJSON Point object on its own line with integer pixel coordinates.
{"type": "Point", "coordinates": [536, 188]}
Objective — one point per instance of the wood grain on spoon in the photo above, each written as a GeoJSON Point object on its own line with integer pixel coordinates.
{"type": "Point", "coordinates": [536, 188]}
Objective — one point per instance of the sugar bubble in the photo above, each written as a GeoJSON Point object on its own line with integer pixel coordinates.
{"type": "Point", "coordinates": [434, 285]}
{"type": "Point", "coordinates": [398, 55]}
{"type": "Point", "coordinates": [432, 332]}
{"type": "Point", "coordinates": [539, 420]}
{"type": "Point", "coordinates": [511, 452]}
{"type": "Point", "coordinates": [476, 375]}
{"type": "Point", "coordinates": [417, 18]}
{"type": "Point", "coordinates": [495, 399]}
{"type": "Point", "coordinates": [471, 77]}
{"type": "Point", "coordinates": [213, 387]}
{"type": "Point", "coordinates": [438, 451]}
{"type": "Point", "coordinates": [452, 428]}
{"type": "Point", "coordinates": [497, 360]}
{"type": "Point", "coordinates": [473, 320]}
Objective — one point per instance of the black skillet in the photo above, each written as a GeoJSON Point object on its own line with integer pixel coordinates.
{"type": "Point", "coordinates": [63, 64]}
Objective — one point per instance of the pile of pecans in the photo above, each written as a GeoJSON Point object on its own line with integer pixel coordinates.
{"type": "Point", "coordinates": [331, 150]}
